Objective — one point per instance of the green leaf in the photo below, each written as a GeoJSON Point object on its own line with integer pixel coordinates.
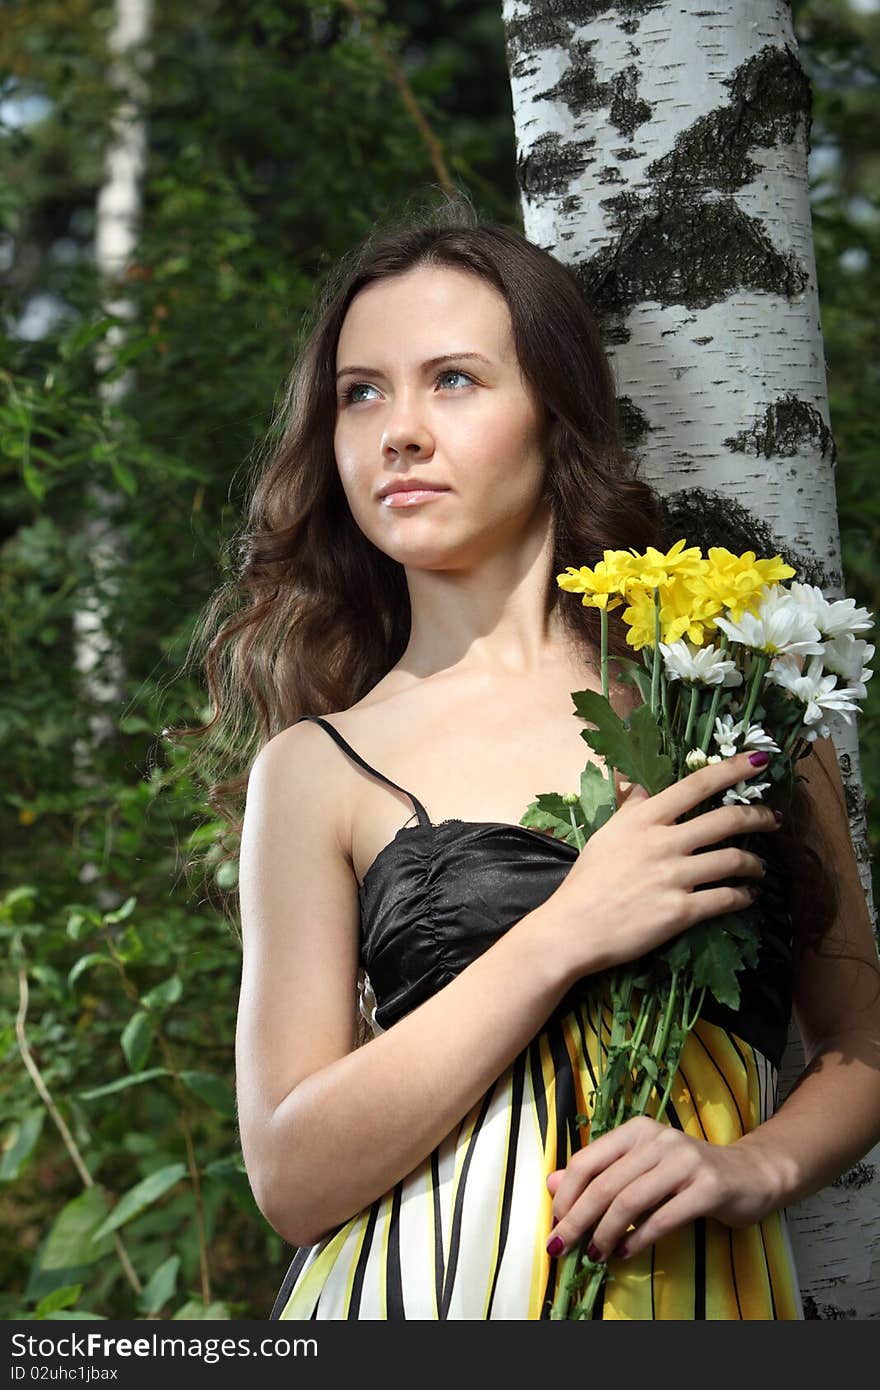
{"type": "Point", "coordinates": [141, 1196]}
{"type": "Point", "coordinates": [631, 745]}
{"type": "Point", "coordinates": [33, 480]}
{"type": "Point", "coordinates": [120, 913]}
{"type": "Point", "coordinates": [634, 673]}
{"type": "Point", "coordinates": [647, 1063]}
{"type": "Point", "coordinates": [161, 1286]}
{"type": "Point", "coordinates": [195, 1311]}
{"type": "Point", "coordinates": [123, 1082]}
{"type": "Point", "coordinates": [211, 1090]}
{"type": "Point", "coordinates": [550, 813]}
{"type": "Point", "coordinates": [85, 963]}
{"type": "Point", "coordinates": [124, 477]}
{"type": "Point", "coordinates": [20, 1141]}
{"type": "Point", "coordinates": [597, 798]}
{"type": "Point", "coordinates": [137, 1038]}
{"type": "Point", "coordinates": [721, 946]}
{"type": "Point", "coordinates": [58, 1298]}
{"type": "Point", "coordinates": [163, 995]}
{"type": "Point", "coordinates": [226, 874]}
{"type": "Point", "coordinates": [71, 1239]}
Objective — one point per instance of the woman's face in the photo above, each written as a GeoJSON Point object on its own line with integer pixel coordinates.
{"type": "Point", "coordinates": [468, 424]}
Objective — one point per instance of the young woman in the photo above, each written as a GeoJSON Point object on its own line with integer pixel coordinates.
{"type": "Point", "coordinates": [449, 444]}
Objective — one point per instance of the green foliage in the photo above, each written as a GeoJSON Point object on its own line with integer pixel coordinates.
{"type": "Point", "coordinates": [276, 139]}
{"type": "Point", "coordinates": [633, 745]}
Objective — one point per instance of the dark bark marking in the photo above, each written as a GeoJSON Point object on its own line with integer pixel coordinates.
{"type": "Point", "coordinates": [788, 426]}
{"type": "Point", "coordinates": [769, 98]}
{"type": "Point", "coordinates": [714, 518]}
{"type": "Point", "coordinates": [680, 250]}
{"type": "Point", "coordinates": [552, 164]}
{"type": "Point", "coordinates": [862, 1175]}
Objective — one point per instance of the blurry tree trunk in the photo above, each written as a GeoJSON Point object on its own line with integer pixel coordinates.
{"type": "Point", "coordinates": [98, 652]}
{"type": "Point", "coordinates": [662, 153]}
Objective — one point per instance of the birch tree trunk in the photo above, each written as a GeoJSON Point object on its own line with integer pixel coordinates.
{"type": "Point", "coordinates": [662, 153]}
{"type": "Point", "coordinates": [97, 654]}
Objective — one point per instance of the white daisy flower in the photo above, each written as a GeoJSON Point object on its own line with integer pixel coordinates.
{"type": "Point", "coordinates": [833, 618]}
{"type": "Point", "coordinates": [781, 625]}
{"type": "Point", "coordinates": [695, 759]}
{"type": "Point", "coordinates": [745, 792]}
{"type": "Point", "coordinates": [727, 733]}
{"type": "Point", "coordinates": [703, 665]}
{"type": "Point", "coordinates": [847, 657]}
{"type": "Point", "coordinates": [817, 731]}
{"type": "Point", "coordinates": [817, 693]}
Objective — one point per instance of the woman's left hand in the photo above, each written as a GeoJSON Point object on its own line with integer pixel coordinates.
{"type": "Point", "coordinates": [654, 1177]}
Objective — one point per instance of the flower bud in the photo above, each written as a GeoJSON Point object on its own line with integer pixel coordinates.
{"type": "Point", "coordinates": [696, 759]}
{"type": "Point", "coordinates": [570, 798]}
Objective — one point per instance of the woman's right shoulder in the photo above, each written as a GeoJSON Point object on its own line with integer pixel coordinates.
{"type": "Point", "coordinates": [296, 775]}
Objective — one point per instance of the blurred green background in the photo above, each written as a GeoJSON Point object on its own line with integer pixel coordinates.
{"type": "Point", "coordinates": [276, 138]}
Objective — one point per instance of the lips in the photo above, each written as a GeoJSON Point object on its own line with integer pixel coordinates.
{"type": "Point", "coordinates": [412, 485]}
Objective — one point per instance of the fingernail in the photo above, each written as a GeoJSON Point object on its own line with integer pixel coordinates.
{"type": "Point", "coordinates": [554, 1222]}
{"type": "Point", "coordinates": [620, 1250]}
{"type": "Point", "coordinates": [777, 816]}
{"type": "Point", "coordinates": [594, 1252]}
{"type": "Point", "coordinates": [759, 759]}
{"type": "Point", "coordinates": [555, 1245]}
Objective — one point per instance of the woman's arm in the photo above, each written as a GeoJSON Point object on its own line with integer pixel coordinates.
{"type": "Point", "coordinates": [829, 1120]}
{"type": "Point", "coordinates": [326, 1128]}
{"type": "Point", "coordinates": [831, 1117]}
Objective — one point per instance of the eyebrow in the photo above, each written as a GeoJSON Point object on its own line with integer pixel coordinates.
{"type": "Point", "coordinates": [431, 362]}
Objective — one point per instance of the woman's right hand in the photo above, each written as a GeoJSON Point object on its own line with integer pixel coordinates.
{"type": "Point", "coordinates": [632, 887]}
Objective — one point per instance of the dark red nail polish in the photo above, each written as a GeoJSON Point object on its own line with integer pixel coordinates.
{"type": "Point", "coordinates": [759, 759]}
{"type": "Point", "coordinates": [620, 1250]}
{"type": "Point", "coordinates": [554, 1222]}
{"type": "Point", "coordinates": [594, 1252]}
{"type": "Point", "coordinates": [555, 1245]}
{"type": "Point", "coordinates": [777, 816]}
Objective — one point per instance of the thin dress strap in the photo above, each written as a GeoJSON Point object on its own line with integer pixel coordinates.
{"type": "Point", "coordinates": [420, 811]}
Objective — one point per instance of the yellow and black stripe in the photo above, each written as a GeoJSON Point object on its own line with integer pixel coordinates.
{"type": "Point", "coordinates": [463, 1235]}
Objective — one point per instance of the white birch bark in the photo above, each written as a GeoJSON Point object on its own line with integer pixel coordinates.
{"type": "Point", "coordinates": [97, 656]}
{"type": "Point", "coordinates": [662, 152]}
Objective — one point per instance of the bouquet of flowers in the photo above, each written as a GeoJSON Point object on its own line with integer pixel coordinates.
{"type": "Point", "coordinates": [732, 659]}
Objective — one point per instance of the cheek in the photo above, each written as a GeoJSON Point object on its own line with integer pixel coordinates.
{"type": "Point", "coordinates": [511, 460]}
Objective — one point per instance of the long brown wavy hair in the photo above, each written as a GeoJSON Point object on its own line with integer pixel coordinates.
{"type": "Point", "coordinates": [313, 614]}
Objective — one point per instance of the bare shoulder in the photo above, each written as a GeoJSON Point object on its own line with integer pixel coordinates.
{"type": "Point", "coordinates": [299, 777]}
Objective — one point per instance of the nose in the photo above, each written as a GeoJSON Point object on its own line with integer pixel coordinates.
{"type": "Point", "coordinates": [405, 431]}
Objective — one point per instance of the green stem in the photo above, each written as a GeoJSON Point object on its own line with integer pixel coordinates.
{"type": "Point", "coordinates": [584, 1309]}
{"type": "Point", "coordinates": [603, 654]}
{"type": "Point", "coordinates": [647, 1009]}
{"type": "Point", "coordinates": [656, 655]}
{"type": "Point", "coordinates": [658, 1046]}
{"type": "Point", "coordinates": [687, 1026]}
{"type": "Point", "coordinates": [578, 834]}
{"type": "Point", "coordinates": [692, 710]}
{"type": "Point", "coordinates": [762, 661]}
{"type": "Point", "coordinates": [713, 707]}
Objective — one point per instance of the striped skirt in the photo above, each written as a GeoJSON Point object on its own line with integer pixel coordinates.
{"type": "Point", "coordinates": [463, 1235]}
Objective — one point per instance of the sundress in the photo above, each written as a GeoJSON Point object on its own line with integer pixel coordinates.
{"type": "Point", "coordinates": [463, 1235]}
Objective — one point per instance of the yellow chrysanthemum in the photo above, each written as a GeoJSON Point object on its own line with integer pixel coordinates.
{"type": "Point", "coordinates": [654, 568]}
{"type": "Point", "coordinates": [734, 582]}
{"type": "Point", "coordinates": [639, 617]}
{"type": "Point", "coordinates": [683, 613]}
{"type": "Point", "coordinates": [601, 587]}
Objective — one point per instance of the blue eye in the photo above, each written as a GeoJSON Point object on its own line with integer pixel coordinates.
{"type": "Point", "coordinates": [349, 397]}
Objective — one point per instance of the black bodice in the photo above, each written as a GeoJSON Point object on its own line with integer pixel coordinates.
{"type": "Point", "coordinates": [437, 896]}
